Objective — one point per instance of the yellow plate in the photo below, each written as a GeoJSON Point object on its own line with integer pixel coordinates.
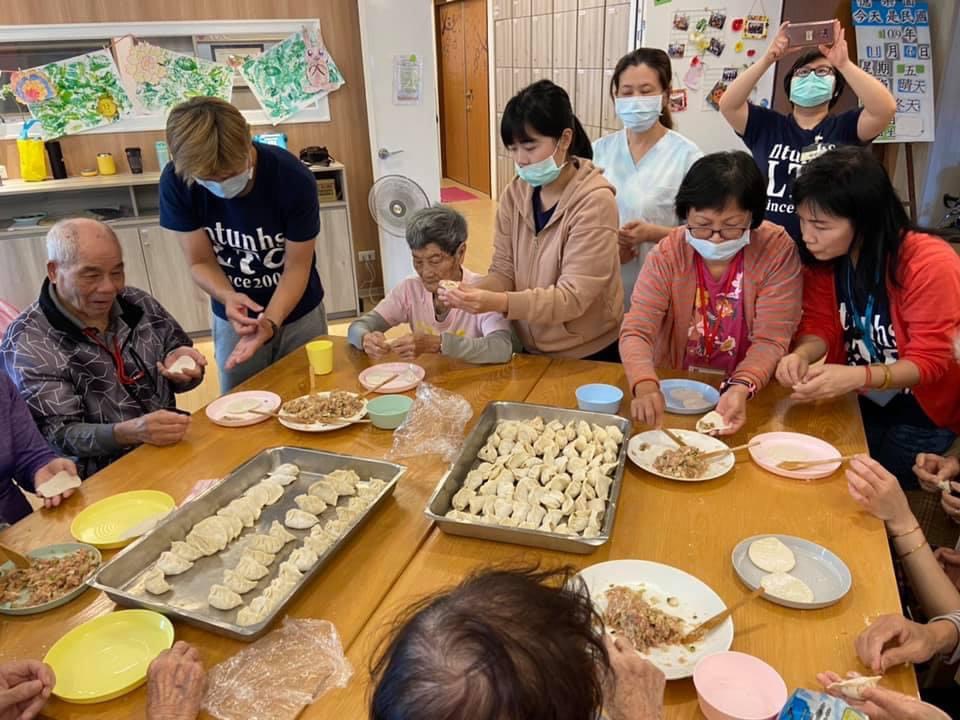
{"type": "Point", "coordinates": [108, 656]}
{"type": "Point", "coordinates": [104, 523]}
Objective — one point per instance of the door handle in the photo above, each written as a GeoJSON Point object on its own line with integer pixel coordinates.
{"type": "Point", "coordinates": [383, 153]}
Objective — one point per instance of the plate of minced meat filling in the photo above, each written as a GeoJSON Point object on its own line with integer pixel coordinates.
{"type": "Point", "coordinates": [58, 574]}
{"type": "Point", "coordinates": [322, 411]}
{"type": "Point", "coordinates": [656, 453]}
{"type": "Point", "coordinates": [654, 606]}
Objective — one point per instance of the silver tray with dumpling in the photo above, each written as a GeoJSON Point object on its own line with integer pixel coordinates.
{"type": "Point", "coordinates": [441, 503]}
{"type": "Point", "coordinates": [124, 578]}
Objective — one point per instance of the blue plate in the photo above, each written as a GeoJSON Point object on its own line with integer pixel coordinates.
{"type": "Point", "coordinates": [677, 392]}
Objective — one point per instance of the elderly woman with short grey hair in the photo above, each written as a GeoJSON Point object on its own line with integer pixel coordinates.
{"type": "Point", "coordinates": [437, 237]}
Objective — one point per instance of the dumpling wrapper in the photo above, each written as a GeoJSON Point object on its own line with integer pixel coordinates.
{"type": "Point", "coordinates": [58, 484]}
{"type": "Point", "coordinates": [170, 564]}
{"type": "Point", "coordinates": [853, 687]}
{"type": "Point", "coordinates": [278, 532]}
{"type": "Point", "coordinates": [787, 587]}
{"type": "Point", "coordinates": [223, 598]}
{"type": "Point", "coordinates": [250, 569]}
{"type": "Point", "coordinates": [310, 503]}
{"type": "Point", "coordinates": [237, 582]}
{"type": "Point", "coordinates": [771, 555]}
{"type": "Point", "coordinates": [184, 362]}
{"type": "Point", "coordinates": [242, 405]}
{"type": "Point", "coordinates": [299, 520]}
{"type": "Point", "coordinates": [154, 582]}
{"type": "Point", "coordinates": [711, 423]}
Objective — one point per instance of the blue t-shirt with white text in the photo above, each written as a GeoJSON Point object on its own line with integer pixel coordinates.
{"type": "Point", "coordinates": [777, 144]}
{"type": "Point", "coordinates": [249, 233]}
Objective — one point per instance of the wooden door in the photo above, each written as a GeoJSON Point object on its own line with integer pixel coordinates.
{"type": "Point", "coordinates": [478, 93]}
{"type": "Point", "coordinates": [453, 93]}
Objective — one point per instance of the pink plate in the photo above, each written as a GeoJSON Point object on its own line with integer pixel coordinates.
{"type": "Point", "coordinates": [775, 447]}
{"type": "Point", "coordinates": [737, 686]}
{"type": "Point", "coordinates": [410, 376]}
{"type": "Point", "coordinates": [269, 402]}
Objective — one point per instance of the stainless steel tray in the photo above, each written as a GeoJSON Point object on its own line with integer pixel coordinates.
{"type": "Point", "coordinates": [122, 578]}
{"type": "Point", "coordinates": [439, 503]}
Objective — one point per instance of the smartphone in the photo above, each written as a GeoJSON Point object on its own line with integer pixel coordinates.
{"type": "Point", "coordinates": [811, 33]}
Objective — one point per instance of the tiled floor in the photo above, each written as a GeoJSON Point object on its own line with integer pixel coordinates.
{"type": "Point", "coordinates": [480, 215]}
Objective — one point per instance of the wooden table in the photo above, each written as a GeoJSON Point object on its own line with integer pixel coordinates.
{"type": "Point", "coordinates": [398, 557]}
{"type": "Point", "coordinates": [353, 583]}
{"type": "Point", "coordinates": [695, 527]}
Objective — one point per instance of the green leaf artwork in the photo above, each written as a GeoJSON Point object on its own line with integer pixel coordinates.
{"type": "Point", "coordinates": [164, 78]}
{"type": "Point", "coordinates": [88, 95]}
{"type": "Point", "coordinates": [284, 81]}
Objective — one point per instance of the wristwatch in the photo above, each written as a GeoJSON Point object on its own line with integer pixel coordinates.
{"type": "Point", "coordinates": [751, 387]}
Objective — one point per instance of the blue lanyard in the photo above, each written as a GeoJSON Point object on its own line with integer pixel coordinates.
{"type": "Point", "coordinates": [860, 321]}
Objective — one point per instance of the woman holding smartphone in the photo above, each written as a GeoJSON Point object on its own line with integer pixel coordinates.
{"type": "Point", "coordinates": [815, 82]}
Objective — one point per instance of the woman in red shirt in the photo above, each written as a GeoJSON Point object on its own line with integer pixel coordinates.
{"type": "Point", "coordinates": [881, 304]}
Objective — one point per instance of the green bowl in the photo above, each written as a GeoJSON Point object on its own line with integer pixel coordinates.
{"type": "Point", "coordinates": [388, 411]}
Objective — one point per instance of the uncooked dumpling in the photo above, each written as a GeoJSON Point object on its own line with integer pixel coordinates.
{"type": "Point", "coordinates": [171, 564]}
{"type": "Point", "coordinates": [323, 490]}
{"type": "Point", "coordinates": [711, 422]}
{"type": "Point", "coordinates": [184, 550]}
{"type": "Point", "coordinates": [772, 555]}
{"type": "Point", "coordinates": [266, 543]}
{"type": "Point", "coordinates": [853, 687]}
{"type": "Point", "coordinates": [242, 509]}
{"type": "Point", "coordinates": [223, 598]}
{"type": "Point", "coordinates": [299, 520]}
{"type": "Point", "coordinates": [290, 572]}
{"type": "Point", "coordinates": [154, 583]}
{"type": "Point", "coordinates": [287, 469]}
{"type": "Point", "coordinates": [787, 587]}
{"type": "Point", "coordinates": [303, 558]}
{"type": "Point", "coordinates": [310, 504]}
{"type": "Point", "coordinates": [251, 569]}
{"type": "Point", "coordinates": [317, 544]}
{"type": "Point", "coordinates": [281, 479]}
{"type": "Point", "coordinates": [235, 524]}
{"type": "Point", "coordinates": [264, 558]}
{"type": "Point", "coordinates": [261, 492]}
{"type": "Point", "coordinates": [248, 616]}
{"type": "Point", "coordinates": [237, 582]}
{"type": "Point", "coordinates": [344, 481]}
{"type": "Point", "coordinates": [278, 532]}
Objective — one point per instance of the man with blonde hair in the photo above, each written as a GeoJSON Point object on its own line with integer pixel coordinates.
{"type": "Point", "coordinates": [97, 361]}
{"type": "Point", "coordinates": [247, 216]}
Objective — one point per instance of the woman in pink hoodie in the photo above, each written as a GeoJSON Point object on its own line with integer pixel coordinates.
{"type": "Point", "coordinates": [556, 269]}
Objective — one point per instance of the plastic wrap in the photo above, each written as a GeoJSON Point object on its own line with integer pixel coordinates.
{"type": "Point", "coordinates": [807, 704]}
{"type": "Point", "coordinates": [435, 425]}
{"type": "Point", "coordinates": [280, 674]}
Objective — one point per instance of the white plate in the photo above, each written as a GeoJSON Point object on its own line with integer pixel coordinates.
{"type": "Point", "coordinates": [698, 602]}
{"type": "Point", "coordinates": [219, 413]}
{"type": "Point", "coordinates": [775, 447]}
{"type": "Point", "coordinates": [321, 427]}
{"type": "Point", "coordinates": [823, 572]}
{"type": "Point", "coordinates": [657, 441]}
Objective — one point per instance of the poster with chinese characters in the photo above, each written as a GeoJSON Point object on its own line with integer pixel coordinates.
{"type": "Point", "coordinates": [893, 45]}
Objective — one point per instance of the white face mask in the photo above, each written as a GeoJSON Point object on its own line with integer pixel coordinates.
{"type": "Point", "coordinates": [639, 112]}
{"type": "Point", "coordinates": [229, 188]}
{"type": "Point", "coordinates": [721, 251]}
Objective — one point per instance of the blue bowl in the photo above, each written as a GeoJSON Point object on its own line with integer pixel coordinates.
{"type": "Point", "coordinates": [598, 397]}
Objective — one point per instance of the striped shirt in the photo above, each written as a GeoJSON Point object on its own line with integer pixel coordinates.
{"type": "Point", "coordinates": [654, 332]}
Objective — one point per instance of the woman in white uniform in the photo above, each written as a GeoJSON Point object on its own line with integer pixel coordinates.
{"type": "Point", "coordinates": [646, 161]}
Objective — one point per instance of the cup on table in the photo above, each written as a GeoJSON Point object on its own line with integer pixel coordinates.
{"type": "Point", "coordinates": [320, 354]}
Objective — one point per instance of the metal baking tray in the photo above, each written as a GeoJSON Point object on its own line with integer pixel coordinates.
{"type": "Point", "coordinates": [451, 482]}
{"type": "Point", "coordinates": [122, 578]}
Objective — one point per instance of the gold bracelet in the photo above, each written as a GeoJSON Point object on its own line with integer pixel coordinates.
{"type": "Point", "coordinates": [908, 532]}
{"type": "Point", "coordinates": [887, 378]}
{"type": "Point", "coordinates": [911, 552]}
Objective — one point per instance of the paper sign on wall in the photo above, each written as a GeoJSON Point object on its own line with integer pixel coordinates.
{"type": "Point", "coordinates": [407, 80]}
{"type": "Point", "coordinates": [893, 45]}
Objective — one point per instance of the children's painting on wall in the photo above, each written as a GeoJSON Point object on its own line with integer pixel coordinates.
{"type": "Point", "coordinates": [76, 94]}
{"type": "Point", "coordinates": [164, 78]}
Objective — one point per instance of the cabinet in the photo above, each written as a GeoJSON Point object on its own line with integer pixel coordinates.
{"type": "Point", "coordinates": [616, 35]}
{"type": "Point", "coordinates": [23, 266]}
{"type": "Point", "coordinates": [521, 42]}
{"type": "Point", "coordinates": [564, 40]}
{"type": "Point", "coordinates": [503, 41]}
{"type": "Point", "coordinates": [542, 7]}
{"type": "Point", "coordinates": [567, 79]}
{"type": "Point", "coordinates": [590, 38]}
{"type": "Point", "coordinates": [610, 121]}
{"type": "Point", "coordinates": [501, 9]}
{"type": "Point", "coordinates": [504, 88]}
{"type": "Point", "coordinates": [588, 103]}
{"type": "Point", "coordinates": [541, 41]}
{"type": "Point", "coordinates": [170, 280]}
{"type": "Point", "coordinates": [521, 8]}
{"type": "Point", "coordinates": [334, 261]}
{"type": "Point", "coordinates": [134, 266]}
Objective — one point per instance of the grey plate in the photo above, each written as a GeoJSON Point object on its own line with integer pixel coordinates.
{"type": "Point", "coordinates": [122, 578]}
{"type": "Point", "coordinates": [48, 552]}
{"type": "Point", "coordinates": [825, 573]}
{"type": "Point", "coordinates": [451, 482]}
{"type": "Point", "coordinates": [711, 396]}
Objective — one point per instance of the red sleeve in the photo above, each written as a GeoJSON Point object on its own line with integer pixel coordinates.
{"type": "Point", "coordinates": [820, 316]}
{"type": "Point", "coordinates": [928, 303]}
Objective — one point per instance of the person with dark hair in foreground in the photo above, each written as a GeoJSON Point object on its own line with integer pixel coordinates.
{"type": "Point", "coordinates": [722, 292]}
{"type": "Point", "coordinates": [512, 644]}
{"type": "Point", "coordinates": [555, 271]}
{"type": "Point", "coordinates": [781, 144]}
{"type": "Point", "coordinates": [881, 303]}
{"type": "Point", "coordinates": [646, 161]}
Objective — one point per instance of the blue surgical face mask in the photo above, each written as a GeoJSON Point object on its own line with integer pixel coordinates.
{"type": "Point", "coordinates": [811, 90]}
{"type": "Point", "coordinates": [639, 112]}
{"type": "Point", "coordinates": [721, 251]}
{"type": "Point", "coordinates": [540, 173]}
{"type": "Point", "coordinates": [229, 188]}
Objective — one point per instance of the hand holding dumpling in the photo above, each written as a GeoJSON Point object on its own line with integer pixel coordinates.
{"type": "Point", "coordinates": [473, 300]}
{"type": "Point", "coordinates": [733, 408]}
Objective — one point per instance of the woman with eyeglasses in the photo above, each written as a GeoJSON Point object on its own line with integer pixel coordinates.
{"type": "Point", "coordinates": [720, 293]}
{"type": "Point", "coordinates": [781, 144]}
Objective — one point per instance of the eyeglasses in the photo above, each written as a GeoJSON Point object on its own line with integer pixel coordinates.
{"type": "Point", "coordinates": [819, 72]}
{"type": "Point", "coordinates": [727, 233]}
